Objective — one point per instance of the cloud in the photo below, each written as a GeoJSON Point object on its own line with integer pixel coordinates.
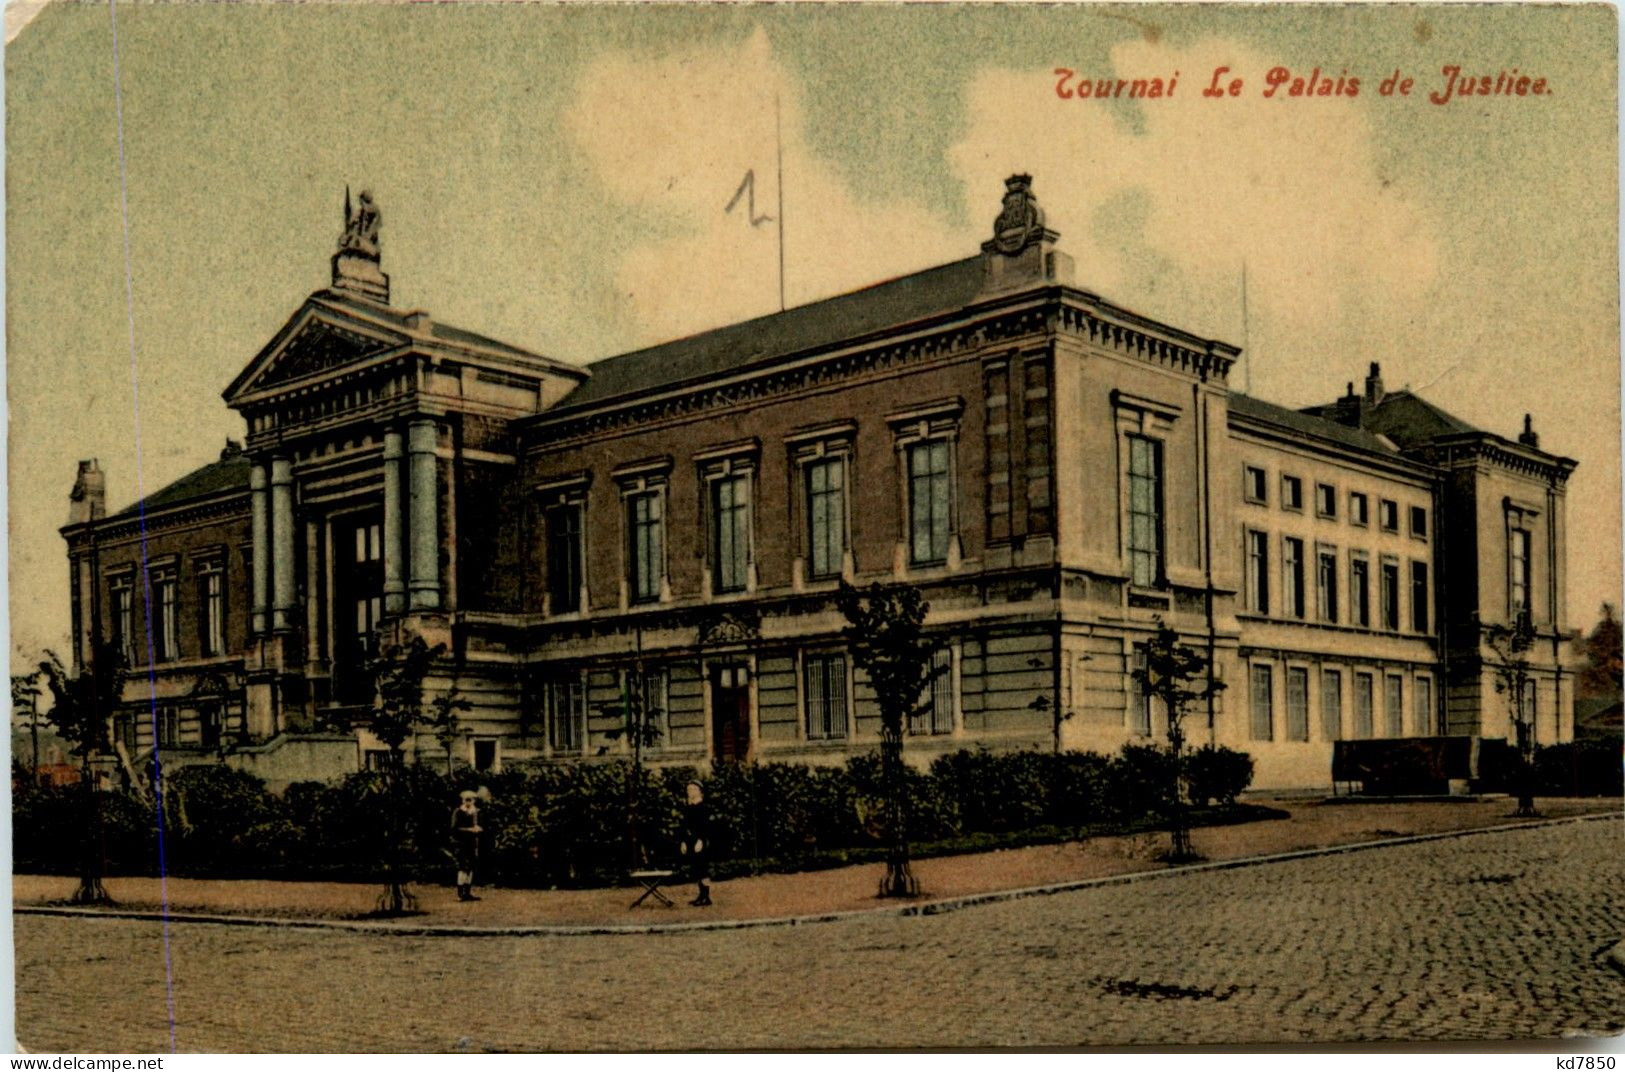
{"type": "Point", "coordinates": [674, 135]}
{"type": "Point", "coordinates": [1167, 206]}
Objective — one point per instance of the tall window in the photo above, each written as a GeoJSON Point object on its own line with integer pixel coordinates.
{"type": "Point", "coordinates": [563, 525]}
{"type": "Point", "coordinates": [1262, 701]}
{"type": "Point", "coordinates": [1527, 709]}
{"type": "Point", "coordinates": [366, 595]}
{"type": "Point", "coordinates": [1518, 555]}
{"type": "Point", "coordinates": [565, 701]}
{"type": "Point", "coordinates": [1424, 707]}
{"type": "Point", "coordinates": [1297, 703]}
{"type": "Point", "coordinates": [1390, 596]}
{"type": "Point", "coordinates": [1360, 591]}
{"type": "Point", "coordinates": [1139, 711]}
{"type": "Point", "coordinates": [211, 608]}
{"type": "Point", "coordinates": [1419, 596]}
{"type": "Point", "coordinates": [656, 686]}
{"type": "Point", "coordinates": [730, 538]}
{"type": "Point", "coordinates": [1393, 705]}
{"type": "Point", "coordinates": [938, 717]}
{"type": "Point", "coordinates": [1144, 511]}
{"type": "Point", "coordinates": [826, 696]}
{"type": "Point", "coordinates": [165, 628]}
{"type": "Point", "coordinates": [1326, 586]}
{"type": "Point", "coordinates": [928, 502]}
{"type": "Point", "coordinates": [1331, 705]}
{"type": "Point", "coordinates": [1364, 688]}
{"type": "Point", "coordinates": [1258, 572]}
{"type": "Point", "coordinates": [124, 617]}
{"type": "Point", "coordinates": [1292, 575]}
{"type": "Point", "coordinates": [826, 516]}
{"type": "Point", "coordinates": [645, 529]}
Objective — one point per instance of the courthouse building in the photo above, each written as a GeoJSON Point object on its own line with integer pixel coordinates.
{"type": "Point", "coordinates": [1055, 471]}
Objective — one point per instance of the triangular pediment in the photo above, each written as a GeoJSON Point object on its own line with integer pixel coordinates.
{"type": "Point", "coordinates": [319, 338]}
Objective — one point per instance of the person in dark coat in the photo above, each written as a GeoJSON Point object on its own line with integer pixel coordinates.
{"type": "Point", "coordinates": [696, 843]}
{"type": "Point", "coordinates": [465, 835]}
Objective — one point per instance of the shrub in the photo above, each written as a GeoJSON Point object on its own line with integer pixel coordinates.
{"type": "Point", "coordinates": [1217, 774]}
{"type": "Point", "coordinates": [1582, 768]}
{"type": "Point", "coordinates": [1141, 782]}
{"type": "Point", "coordinates": [208, 813]}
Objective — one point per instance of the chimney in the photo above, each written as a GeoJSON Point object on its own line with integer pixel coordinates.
{"type": "Point", "coordinates": [1528, 437]}
{"type": "Point", "coordinates": [232, 449]}
{"type": "Point", "coordinates": [1373, 386]}
{"type": "Point", "coordinates": [1347, 410]}
{"type": "Point", "coordinates": [88, 500]}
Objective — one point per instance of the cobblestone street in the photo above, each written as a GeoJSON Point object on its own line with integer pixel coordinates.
{"type": "Point", "coordinates": [1482, 937]}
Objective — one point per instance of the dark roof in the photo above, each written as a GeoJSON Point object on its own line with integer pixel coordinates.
{"type": "Point", "coordinates": [226, 475]}
{"type": "Point", "coordinates": [1308, 424]}
{"type": "Point", "coordinates": [805, 327]}
{"type": "Point", "coordinates": [1408, 419]}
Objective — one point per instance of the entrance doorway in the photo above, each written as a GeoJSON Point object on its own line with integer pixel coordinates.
{"type": "Point", "coordinates": [358, 590]}
{"type": "Point", "coordinates": [730, 712]}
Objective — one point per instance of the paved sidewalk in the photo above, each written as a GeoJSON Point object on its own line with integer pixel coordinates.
{"type": "Point", "coordinates": [1312, 825]}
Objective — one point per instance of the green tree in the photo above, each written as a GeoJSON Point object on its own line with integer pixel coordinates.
{"type": "Point", "coordinates": [1179, 675]}
{"type": "Point", "coordinates": [1513, 680]}
{"type": "Point", "coordinates": [398, 711]}
{"type": "Point", "coordinates": [81, 712]}
{"type": "Point", "coordinates": [1604, 669]}
{"type": "Point", "coordinates": [885, 636]}
{"type": "Point", "coordinates": [640, 719]}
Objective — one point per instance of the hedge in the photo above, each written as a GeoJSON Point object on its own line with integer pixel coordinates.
{"type": "Point", "coordinates": [566, 825]}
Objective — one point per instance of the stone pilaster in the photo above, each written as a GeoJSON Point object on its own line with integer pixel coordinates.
{"type": "Point", "coordinates": [424, 527]}
{"type": "Point", "coordinates": [394, 525]}
{"type": "Point", "coordinates": [260, 529]}
{"type": "Point", "coordinates": [282, 545]}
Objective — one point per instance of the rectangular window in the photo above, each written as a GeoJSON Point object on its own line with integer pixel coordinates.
{"type": "Point", "coordinates": [1360, 592]}
{"type": "Point", "coordinates": [826, 516]}
{"type": "Point", "coordinates": [124, 618]}
{"type": "Point", "coordinates": [1393, 705]}
{"type": "Point", "coordinates": [1139, 710]}
{"type": "Point", "coordinates": [211, 609]}
{"type": "Point", "coordinates": [826, 697]}
{"type": "Point", "coordinates": [645, 526]}
{"type": "Point", "coordinates": [1145, 511]}
{"type": "Point", "coordinates": [928, 502]}
{"type": "Point", "coordinates": [655, 700]}
{"type": "Point", "coordinates": [730, 537]}
{"type": "Point", "coordinates": [1262, 701]}
{"type": "Point", "coordinates": [1424, 707]}
{"type": "Point", "coordinates": [1255, 486]}
{"type": "Point", "coordinates": [169, 729]}
{"type": "Point", "coordinates": [1038, 466]}
{"type": "Point", "coordinates": [1419, 596]}
{"type": "Point", "coordinates": [1325, 500]}
{"type": "Point", "coordinates": [1359, 508]}
{"type": "Point", "coordinates": [1390, 596]}
{"type": "Point", "coordinates": [1331, 705]}
{"type": "Point", "coordinates": [566, 703]}
{"type": "Point", "coordinates": [485, 754]}
{"type": "Point", "coordinates": [1419, 522]}
{"type": "Point", "coordinates": [563, 525]}
{"type": "Point", "coordinates": [1518, 556]}
{"type": "Point", "coordinates": [1291, 493]}
{"type": "Point", "coordinates": [1326, 586]}
{"type": "Point", "coordinates": [1364, 688]}
{"type": "Point", "coordinates": [1297, 703]}
{"type": "Point", "coordinates": [938, 715]}
{"type": "Point", "coordinates": [996, 390]}
{"type": "Point", "coordinates": [1388, 515]}
{"type": "Point", "coordinates": [165, 631]}
{"type": "Point", "coordinates": [1258, 572]}
{"type": "Point", "coordinates": [1292, 575]}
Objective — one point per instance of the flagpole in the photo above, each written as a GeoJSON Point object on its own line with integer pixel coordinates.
{"type": "Point", "coordinates": [778, 138]}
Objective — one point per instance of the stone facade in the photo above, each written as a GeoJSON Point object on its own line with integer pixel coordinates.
{"type": "Point", "coordinates": [1056, 472]}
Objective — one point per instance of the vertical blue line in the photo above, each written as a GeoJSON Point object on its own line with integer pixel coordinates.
{"type": "Point", "coordinates": [141, 509]}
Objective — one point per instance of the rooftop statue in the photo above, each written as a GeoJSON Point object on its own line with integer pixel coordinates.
{"type": "Point", "coordinates": [360, 226]}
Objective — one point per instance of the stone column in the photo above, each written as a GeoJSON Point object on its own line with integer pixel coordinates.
{"type": "Point", "coordinates": [424, 526]}
{"type": "Point", "coordinates": [394, 525]}
{"type": "Point", "coordinates": [282, 544]}
{"type": "Point", "coordinates": [260, 527]}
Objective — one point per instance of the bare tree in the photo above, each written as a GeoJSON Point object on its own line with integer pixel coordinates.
{"type": "Point", "coordinates": [81, 712]}
{"type": "Point", "coordinates": [640, 726]}
{"type": "Point", "coordinates": [1513, 680]}
{"type": "Point", "coordinates": [1179, 675]}
{"type": "Point", "coordinates": [885, 636]}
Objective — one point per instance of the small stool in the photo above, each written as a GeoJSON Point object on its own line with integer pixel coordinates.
{"type": "Point", "coordinates": [651, 882]}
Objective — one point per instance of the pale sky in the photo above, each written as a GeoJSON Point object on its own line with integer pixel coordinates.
{"type": "Point", "coordinates": [555, 177]}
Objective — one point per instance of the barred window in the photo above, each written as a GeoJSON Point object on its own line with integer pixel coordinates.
{"type": "Point", "coordinates": [1331, 705]}
{"type": "Point", "coordinates": [1145, 511]}
{"type": "Point", "coordinates": [826, 696]}
{"type": "Point", "coordinates": [1263, 701]}
{"type": "Point", "coordinates": [1297, 703]}
{"type": "Point", "coordinates": [938, 716]}
{"type": "Point", "coordinates": [1364, 687]}
{"type": "Point", "coordinates": [928, 502]}
{"type": "Point", "coordinates": [566, 702]}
